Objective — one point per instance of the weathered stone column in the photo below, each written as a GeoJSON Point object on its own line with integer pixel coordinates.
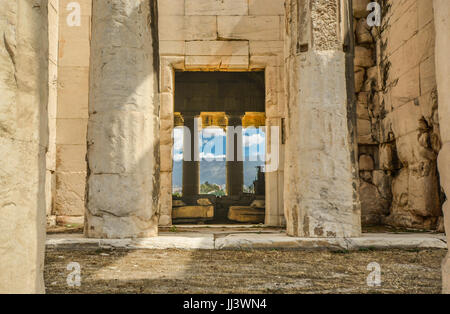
{"type": "Point", "coordinates": [123, 130]}
{"type": "Point", "coordinates": [191, 163]}
{"type": "Point", "coordinates": [234, 163]}
{"type": "Point", "coordinates": [23, 144]}
{"type": "Point", "coordinates": [442, 25]}
{"type": "Point", "coordinates": [320, 170]}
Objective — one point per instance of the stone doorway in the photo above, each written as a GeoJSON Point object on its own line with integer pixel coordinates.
{"type": "Point", "coordinates": [219, 148]}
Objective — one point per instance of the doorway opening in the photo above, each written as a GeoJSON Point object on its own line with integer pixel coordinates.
{"type": "Point", "coordinates": [219, 148]}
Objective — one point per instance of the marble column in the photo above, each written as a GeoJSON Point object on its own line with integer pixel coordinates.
{"type": "Point", "coordinates": [23, 144]}
{"type": "Point", "coordinates": [123, 181]}
{"type": "Point", "coordinates": [321, 197]}
{"type": "Point", "coordinates": [234, 163]}
{"type": "Point", "coordinates": [191, 162]}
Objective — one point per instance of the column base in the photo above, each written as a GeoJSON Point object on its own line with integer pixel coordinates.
{"type": "Point", "coordinates": [111, 227]}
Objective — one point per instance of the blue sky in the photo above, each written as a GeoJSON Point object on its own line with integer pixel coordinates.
{"type": "Point", "coordinates": [213, 154]}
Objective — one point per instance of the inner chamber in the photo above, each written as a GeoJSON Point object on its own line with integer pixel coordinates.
{"type": "Point", "coordinates": [219, 148]}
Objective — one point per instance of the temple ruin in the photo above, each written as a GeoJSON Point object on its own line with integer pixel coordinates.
{"type": "Point", "coordinates": [356, 118]}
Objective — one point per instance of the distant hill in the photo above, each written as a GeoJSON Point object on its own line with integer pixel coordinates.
{"type": "Point", "coordinates": [215, 172]}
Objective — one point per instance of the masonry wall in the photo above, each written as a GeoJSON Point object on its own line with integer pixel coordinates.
{"type": "Point", "coordinates": [398, 128]}
{"type": "Point", "coordinates": [228, 35]}
{"type": "Point", "coordinates": [53, 40]}
{"type": "Point", "coordinates": [72, 114]}
{"type": "Point", "coordinates": [442, 26]}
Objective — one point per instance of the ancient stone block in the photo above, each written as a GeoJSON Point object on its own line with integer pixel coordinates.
{"type": "Point", "coordinates": [172, 47]}
{"type": "Point", "coordinates": [359, 78]}
{"type": "Point", "coordinates": [71, 131]}
{"type": "Point", "coordinates": [266, 7]}
{"type": "Point", "coordinates": [363, 35]}
{"type": "Point", "coordinates": [373, 207]}
{"type": "Point", "coordinates": [71, 158]}
{"type": "Point", "coordinates": [204, 202]}
{"type": "Point", "coordinates": [360, 8]}
{"type": "Point", "coordinates": [258, 204]}
{"type": "Point", "coordinates": [386, 156]}
{"type": "Point", "coordinates": [73, 90]}
{"type": "Point", "coordinates": [217, 48]}
{"type": "Point", "coordinates": [266, 48]}
{"type": "Point", "coordinates": [365, 163]}
{"type": "Point", "coordinates": [249, 27]}
{"type": "Point", "coordinates": [188, 28]}
{"type": "Point", "coordinates": [364, 57]}
{"type": "Point", "coordinates": [246, 214]}
{"type": "Point", "coordinates": [427, 75]}
{"type": "Point", "coordinates": [193, 212]}
{"type": "Point", "coordinates": [178, 203]}
{"type": "Point", "coordinates": [165, 199]}
{"type": "Point", "coordinates": [70, 190]}
{"type": "Point", "coordinates": [171, 7]}
{"type": "Point", "coordinates": [214, 7]}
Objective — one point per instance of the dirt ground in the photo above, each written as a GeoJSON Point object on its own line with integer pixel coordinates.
{"type": "Point", "coordinates": [257, 271]}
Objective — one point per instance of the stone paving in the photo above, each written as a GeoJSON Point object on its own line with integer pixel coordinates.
{"type": "Point", "coordinates": [250, 237]}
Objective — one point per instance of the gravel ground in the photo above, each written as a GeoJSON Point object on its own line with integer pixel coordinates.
{"type": "Point", "coordinates": [257, 271]}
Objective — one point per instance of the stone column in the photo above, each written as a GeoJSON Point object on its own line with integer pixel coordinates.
{"type": "Point", "coordinates": [234, 164]}
{"type": "Point", "coordinates": [23, 144]}
{"type": "Point", "coordinates": [320, 170]}
{"type": "Point", "coordinates": [442, 25]}
{"type": "Point", "coordinates": [123, 129]}
{"type": "Point", "coordinates": [191, 163]}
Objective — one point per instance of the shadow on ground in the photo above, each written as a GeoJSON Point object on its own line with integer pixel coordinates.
{"type": "Point", "coordinates": [257, 271]}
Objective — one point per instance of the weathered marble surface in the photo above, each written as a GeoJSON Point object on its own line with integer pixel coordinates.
{"type": "Point", "coordinates": [23, 144]}
{"type": "Point", "coordinates": [442, 24]}
{"type": "Point", "coordinates": [123, 130]}
{"type": "Point", "coordinates": [320, 192]}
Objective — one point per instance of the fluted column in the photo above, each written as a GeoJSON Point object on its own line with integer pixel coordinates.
{"type": "Point", "coordinates": [123, 128]}
{"type": "Point", "coordinates": [234, 163]}
{"type": "Point", "coordinates": [191, 163]}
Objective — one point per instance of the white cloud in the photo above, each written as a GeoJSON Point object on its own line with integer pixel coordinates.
{"type": "Point", "coordinates": [211, 157]}
{"type": "Point", "coordinates": [178, 157]}
{"type": "Point", "coordinates": [254, 139]}
{"type": "Point", "coordinates": [178, 139]}
{"type": "Point", "coordinates": [213, 132]}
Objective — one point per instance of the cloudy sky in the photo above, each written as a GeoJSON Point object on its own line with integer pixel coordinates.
{"type": "Point", "coordinates": [213, 154]}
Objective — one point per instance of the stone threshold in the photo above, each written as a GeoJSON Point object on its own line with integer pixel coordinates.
{"type": "Point", "coordinates": [211, 241]}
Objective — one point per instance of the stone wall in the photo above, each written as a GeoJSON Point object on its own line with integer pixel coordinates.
{"type": "Point", "coordinates": [72, 112]}
{"type": "Point", "coordinates": [442, 27]}
{"type": "Point", "coordinates": [23, 144]}
{"type": "Point", "coordinates": [375, 183]}
{"type": "Point", "coordinates": [398, 127]}
{"type": "Point", "coordinates": [227, 35]}
{"type": "Point", "coordinates": [409, 130]}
